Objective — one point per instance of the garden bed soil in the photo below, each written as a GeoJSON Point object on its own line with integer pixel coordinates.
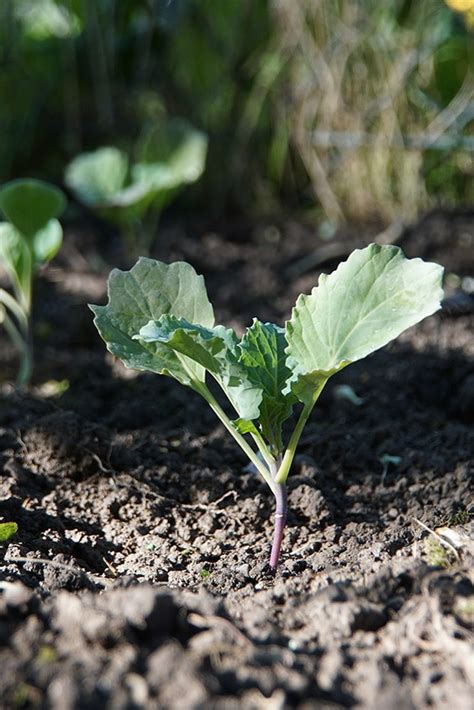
{"type": "Point", "coordinates": [158, 592]}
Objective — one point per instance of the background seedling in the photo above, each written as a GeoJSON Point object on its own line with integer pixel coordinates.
{"type": "Point", "coordinates": [159, 319]}
{"type": "Point", "coordinates": [346, 392]}
{"type": "Point", "coordinates": [30, 238]}
{"type": "Point", "coordinates": [388, 460]}
{"type": "Point", "coordinates": [169, 155]}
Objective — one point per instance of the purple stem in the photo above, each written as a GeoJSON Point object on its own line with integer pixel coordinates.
{"type": "Point", "coordinates": [281, 510]}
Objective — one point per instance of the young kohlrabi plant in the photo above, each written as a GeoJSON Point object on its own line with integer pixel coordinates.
{"type": "Point", "coordinates": [30, 238]}
{"type": "Point", "coordinates": [169, 155]}
{"type": "Point", "coordinates": [158, 318]}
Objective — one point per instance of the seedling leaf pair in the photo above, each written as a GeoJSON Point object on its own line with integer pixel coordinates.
{"type": "Point", "coordinates": [31, 237]}
{"type": "Point", "coordinates": [159, 318]}
{"type": "Point", "coordinates": [168, 156]}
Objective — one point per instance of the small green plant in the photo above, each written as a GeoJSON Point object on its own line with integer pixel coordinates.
{"type": "Point", "coordinates": [159, 319]}
{"type": "Point", "coordinates": [169, 155]}
{"type": "Point", "coordinates": [7, 530]}
{"type": "Point", "coordinates": [30, 238]}
{"type": "Point", "coordinates": [436, 554]}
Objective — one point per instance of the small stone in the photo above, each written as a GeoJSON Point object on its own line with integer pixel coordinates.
{"type": "Point", "coordinates": [15, 595]}
{"type": "Point", "coordinates": [243, 570]}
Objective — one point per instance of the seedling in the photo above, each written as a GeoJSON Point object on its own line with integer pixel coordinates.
{"type": "Point", "coordinates": [133, 194]}
{"type": "Point", "coordinates": [158, 318]}
{"type": "Point", "coordinates": [30, 238]}
{"type": "Point", "coordinates": [388, 460]}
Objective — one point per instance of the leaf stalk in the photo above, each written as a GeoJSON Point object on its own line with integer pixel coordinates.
{"type": "Point", "coordinates": [285, 467]}
{"type": "Point", "coordinates": [203, 390]}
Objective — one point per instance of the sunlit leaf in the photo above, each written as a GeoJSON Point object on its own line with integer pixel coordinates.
{"type": "Point", "coordinates": [98, 176]}
{"type": "Point", "coordinates": [47, 242]}
{"type": "Point", "coordinates": [368, 301]}
{"type": "Point", "coordinates": [172, 153]}
{"type": "Point", "coordinates": [146, 292]}
{"type": "Point", "coordinates": [215, 350]}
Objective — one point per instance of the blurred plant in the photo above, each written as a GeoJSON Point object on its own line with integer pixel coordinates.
{"type": "Point", "coordinates": [30, 238]}
{"type": "Point", "coordinates": [46, 19]}
{"type": "Point", "coordinates": [465, 7]}
{"type": "Point", "coordinates": [79, 73]}
{"type": "Point", "coordinates": [376, 90]}
{"type": "Point", "coordinates": [169, 155]}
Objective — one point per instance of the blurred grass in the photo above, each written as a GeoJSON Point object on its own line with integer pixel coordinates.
{"type": "Point", "coordinates": [377, 90]}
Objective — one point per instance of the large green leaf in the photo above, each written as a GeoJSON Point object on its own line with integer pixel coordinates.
{"type": "Point", "coordinates": [30, 204]}
{"type": "Point", "coordinates": [149, 290]}
{"type": "Point", "coordinates": [98, 176]}
{"type": "Point", "coordinates": [263, 354]}
{"type": "Point", "coordinates": [215, 350]}
{"type": "Point", "coordinates": [368, 301]}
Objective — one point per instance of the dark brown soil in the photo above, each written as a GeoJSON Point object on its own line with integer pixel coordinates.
{"type": "Point", "coordinates": [157, 592]}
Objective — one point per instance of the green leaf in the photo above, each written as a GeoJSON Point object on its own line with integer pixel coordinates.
{"type": "Point", "coordinates": [30, 204]}
{"type": "Point", "coordinates": [203, 345]}
{"type": "Point", "coordinates": [98, 176]}
{"type": "Point", "coordinates": [15, 255]}
{"type": "Point", "coordinates": [368, 301]}
{"type": "Point", "coordinates": [212, 348]}
{"type": "Point", "coordinates": [47, 242]}
{"type": "Point", "coordinates": [47, 19]}
{"type": "Point", "coordinates": [148, 291]}
{"type": "Point", "coordinates": [262, 352]}
{"type": "Point", "coordinates": [172, 153]}
{"type": "Point", "coordinates": [244, 426]}
{"type": "Point", "coordinates": [7, 530]}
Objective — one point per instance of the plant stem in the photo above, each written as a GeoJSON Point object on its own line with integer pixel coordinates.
{"type": "Point", "coordinates": [262, 447]}
{"type": "Point", "coordinates": [202, 389]}
{"type": "Point", "coordinates": [284, 469]}
{"type": "Point", "coordinates": [20, 339]}
{"type": "Point", "coordinates": [13, 305]}
{"type": "Point", "coordinates": [281, 498]}
{"type": "Point", "coordinates": [26, 364]}
{"type": "Point", "coordinates": [13, 332]}
{"type": "Point", "coordinates": [217, 409]}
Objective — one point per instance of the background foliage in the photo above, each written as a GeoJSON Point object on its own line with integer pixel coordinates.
{"type": "Point", "coordinates": [358, 109]}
